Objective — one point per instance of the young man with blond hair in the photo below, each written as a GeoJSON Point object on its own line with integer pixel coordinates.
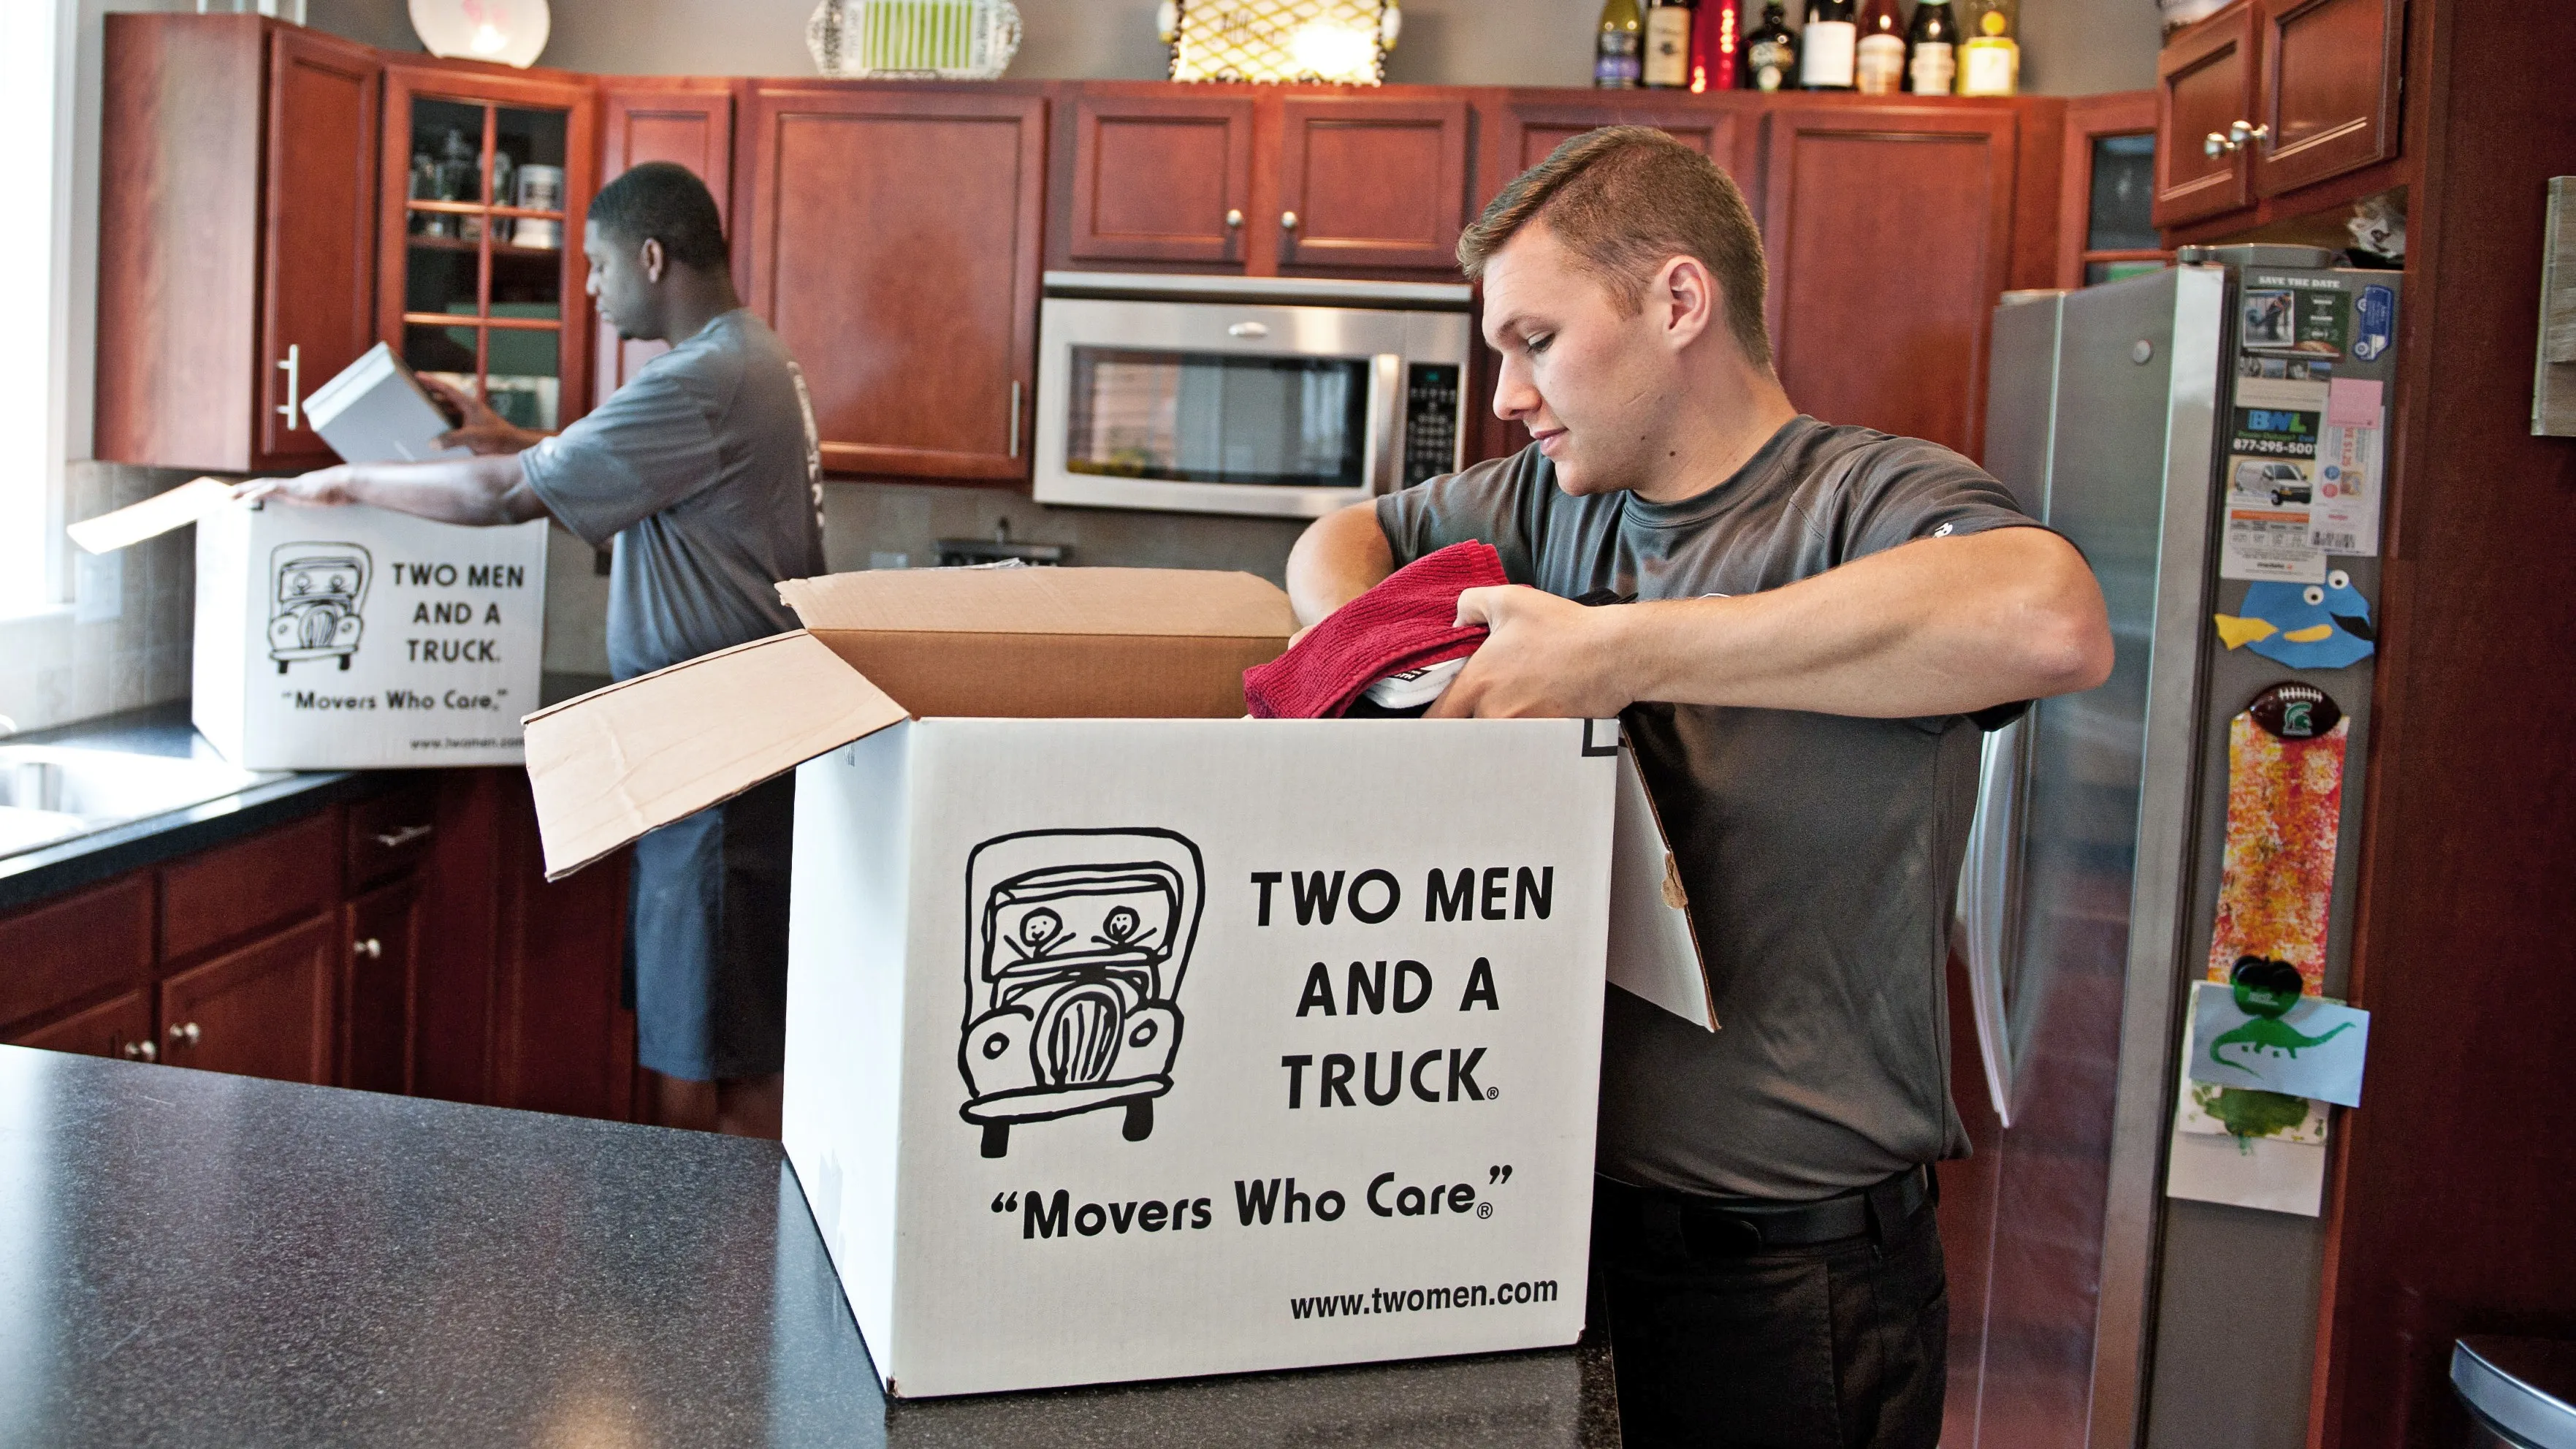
{"type": "Point", "coordinates": [1803, 627]}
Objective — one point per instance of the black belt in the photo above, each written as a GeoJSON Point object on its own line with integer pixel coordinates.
{"type": "Point", "coordinates": [1725, 1227]}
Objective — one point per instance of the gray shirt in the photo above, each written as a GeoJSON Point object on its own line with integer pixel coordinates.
{"type": "Point", "coordinates": [705, 469]}
{"type": "Point", "coordinates": [1820, 852]}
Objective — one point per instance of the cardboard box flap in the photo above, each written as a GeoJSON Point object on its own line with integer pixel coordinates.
{"type": "Point", "coordinates": [617, 762]}
{"type": "Point", "coordinates": [1654, 948]}
{"type": "Point", "coordinates": [1183, 603]}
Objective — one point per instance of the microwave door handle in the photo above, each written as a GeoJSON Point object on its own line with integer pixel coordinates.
{"type": "Point", "coordinates": [1382, 460]}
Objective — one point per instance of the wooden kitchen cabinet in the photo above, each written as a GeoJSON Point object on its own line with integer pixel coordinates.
{"type": "Point", "coordinates": [1366, 182]}
{"type": "Point", "coordinates": [487, 171]}
{"type": "Point", "coordinates": [237, 183]}
{"type": "Point", "coordinates": [2328, 98]}
{"type": "Point", "coordinates": [380, 941]}
{"type": "Point", "coordinates": [2204, 88]}
{"type": "Point", "coordinates": [1160, 178]}
{"type": "Point", "coordinates": [686, 120]}
{"type": "Point", "coordinates": [2268, 98]}
{"type": "Point", "coordinates": [260, 1010]}
{"type": "Point", "coordinates": [121, 1027]}
{"type": "Point", "coordinates": [1529, 124]}
{"type": "Point", "coordinates": [893, 246]}
{"type": "Point", "coordinates": [1890, 235]}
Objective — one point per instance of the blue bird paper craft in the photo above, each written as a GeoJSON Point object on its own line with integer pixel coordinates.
{"type": "Point", "coordinates": [2305, 626]}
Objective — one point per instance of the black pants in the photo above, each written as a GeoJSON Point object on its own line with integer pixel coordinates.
{"type": "Point", "coordinates": [1841, 1345]}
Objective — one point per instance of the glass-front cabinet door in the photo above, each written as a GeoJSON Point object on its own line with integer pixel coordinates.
{"type": "Point", "coordinates": [486, 178]}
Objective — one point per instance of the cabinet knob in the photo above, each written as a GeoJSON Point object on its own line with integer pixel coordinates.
{"type": "Point", "coordinates": [2239, 132]}
{"type": "Point", "coordinates": [184, 1033]}
{"type": "Point", "coordinates": [1288, 221]}
{"type": "Point", "coordinates": [142, 1051]}
{"type": "Point", "coordinates": [1233, 218]}
{"type": "Point", "coordinates": [2215, 145]}
{"type": "Point", "coordinates": [371, 948]}
{"type": "Point", "coordinates": [397, 839]}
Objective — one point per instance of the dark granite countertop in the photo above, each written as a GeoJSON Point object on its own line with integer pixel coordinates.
{"type": "Point", "coordinates": [188, 1259]}
{"type": "Point", "coordinates": [35, 875]}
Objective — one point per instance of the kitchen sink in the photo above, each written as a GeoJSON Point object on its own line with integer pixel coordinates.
{"type": "Point", "coordinates": [51, 793]}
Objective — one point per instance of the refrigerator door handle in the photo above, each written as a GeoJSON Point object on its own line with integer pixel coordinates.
{"type": "Point", "coordinates": [1989, 896]}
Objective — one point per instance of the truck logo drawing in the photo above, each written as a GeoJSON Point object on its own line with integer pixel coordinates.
{"type": "Point", "coordinates": [1076, 941]}
{"type": "Point", "coordinates": [314, 610]}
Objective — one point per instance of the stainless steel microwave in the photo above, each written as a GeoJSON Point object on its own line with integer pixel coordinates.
{"type": "Point", "coordinates": [1269, 395]}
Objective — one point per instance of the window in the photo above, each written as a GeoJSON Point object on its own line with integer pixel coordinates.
{"type": "Point", "coordinates": [34, 46]}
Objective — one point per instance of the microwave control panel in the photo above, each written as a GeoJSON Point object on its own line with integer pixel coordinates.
{"type": "Point", "coordinates": [1430, 420]}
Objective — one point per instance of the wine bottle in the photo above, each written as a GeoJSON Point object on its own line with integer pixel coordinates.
{"type": "Point", "coordinates": [1931, 49]}
{"type": "Point", "coordinates": [1826, 47]}
{"type": "Point", "coordinates": [1716, 47]}
{"type": "Point", "coordinates": [1668, 44]}
{"type": "Point", "coordinates": [1878, 65]}
{"type": "Point", "coordinates": [1990, 63]}
{"type": "Point", "coordinates": [1770, 52]}
{"type": "Point", "coordinates": [1615, 53]}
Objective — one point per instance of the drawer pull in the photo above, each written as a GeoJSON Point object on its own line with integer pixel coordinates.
{"type": "Point", "coordinates": [142, 1051]}
{"type": "Point", "coordinates": [397, 839]}
{"type": "Point", "coordinates": [371, 948]}
{"type": "Point", "coordinates": [184, 1033]}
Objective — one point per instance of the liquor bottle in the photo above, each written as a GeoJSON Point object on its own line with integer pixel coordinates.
{"type": "Point", "coordinates": [1990, 63]}
{"type": "Point", "coordinates": [1931, 49]}
{"type": "Point", "coordinates": [1878, 65]}
{"type": "Point", "coordinates": [1668, 44]}
{"type": "Point", "coordinates": [1770, 52]}
{"type": "Point", "coordinates": [1615, 52]}
{"type": "Point", "coordinates": [1716, 47]}
{"type": "Point", "coordinates": [1826, 47]}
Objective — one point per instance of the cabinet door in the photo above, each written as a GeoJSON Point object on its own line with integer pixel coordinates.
{"type": "Point", "coordinates": [894, 248]}
{"type": "Point", "coordinates": [1889, 230]}
{"type": "Point", "coordinates": [1526, 129]}
{"type": "Point", "coordinates": [380, 943]}
{"type": "Point", "coordinates": [562, 1039]}
{"type": "Point", "coordinates": [2204, 87]}
{"type": "Point", "coordinates": [1160, 178]}
{"type": "Point", "coordinates": [118, 1028]}
{"type": "Point", "coordinates": [687, 121]}
{"type": "Point", "coordinates": [482, 280]}
{"type": "Point", "coordinates": [262, 1011]}
{"type": "Point", "coordinates": [2330, 70]}
{"type": "Point", "coordinates": [1365, 182]}
{"type": "Point", "coordinates": [317, 270]}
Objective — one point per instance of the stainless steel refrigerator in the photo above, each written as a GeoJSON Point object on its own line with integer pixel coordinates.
{"type": "Point", "coordinates": [2162, 424]}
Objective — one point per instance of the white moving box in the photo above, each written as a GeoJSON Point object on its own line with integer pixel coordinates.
{"type": "Point", "coordinates": [1131, 1047]}
{"type": "Point", "coordinates": [356, 638]}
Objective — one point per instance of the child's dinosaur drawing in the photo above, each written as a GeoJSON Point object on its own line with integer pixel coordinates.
{"type": "Point", "coordinates": [2266, 990]}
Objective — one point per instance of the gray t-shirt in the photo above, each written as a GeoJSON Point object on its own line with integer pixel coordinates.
{"type": "Point", "coordinates": [1820, 852]}
{"type": "Point", "coordinates": [705, 469]}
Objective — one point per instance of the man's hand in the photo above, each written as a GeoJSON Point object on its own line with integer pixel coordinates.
{"type": "Point", "coordinates": [321, 488]}
{"type": "Point", "coordinates": [1546, 658]}
{"type": "Point", "coordinates": [479, 429]}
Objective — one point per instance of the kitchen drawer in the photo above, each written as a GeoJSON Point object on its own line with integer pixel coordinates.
{"type": "Point", "coordinates": [290, 871]}
{"type": "Point", "coordinates": [391, 832]}
{"type": "Point", "coordinates": [118, 1028]}
{"type": "Point", "coordinates": [76, 947]}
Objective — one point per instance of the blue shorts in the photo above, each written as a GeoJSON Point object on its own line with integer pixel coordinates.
{"type": "Point", "coordinates": [706, 938]}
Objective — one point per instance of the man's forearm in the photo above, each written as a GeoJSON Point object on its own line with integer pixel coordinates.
{"type": "Point", "coordinates": [1338, 558]}
{"type": "Point", "coordinates": [1942, 626]}
{"type": "Point", "coordinates": [479, 491]}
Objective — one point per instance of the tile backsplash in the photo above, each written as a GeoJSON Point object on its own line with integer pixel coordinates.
{"type": "Point", "coordinates": [126, 641]}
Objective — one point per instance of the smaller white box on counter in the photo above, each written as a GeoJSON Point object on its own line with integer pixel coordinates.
{"type": "Point", "coordinates": [1128, 1038]}
{"type": "Point", "coordinates": [356, 638]}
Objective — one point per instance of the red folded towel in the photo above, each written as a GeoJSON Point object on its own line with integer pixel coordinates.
{"type": "Point", "coordinates": [1407, 622]}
